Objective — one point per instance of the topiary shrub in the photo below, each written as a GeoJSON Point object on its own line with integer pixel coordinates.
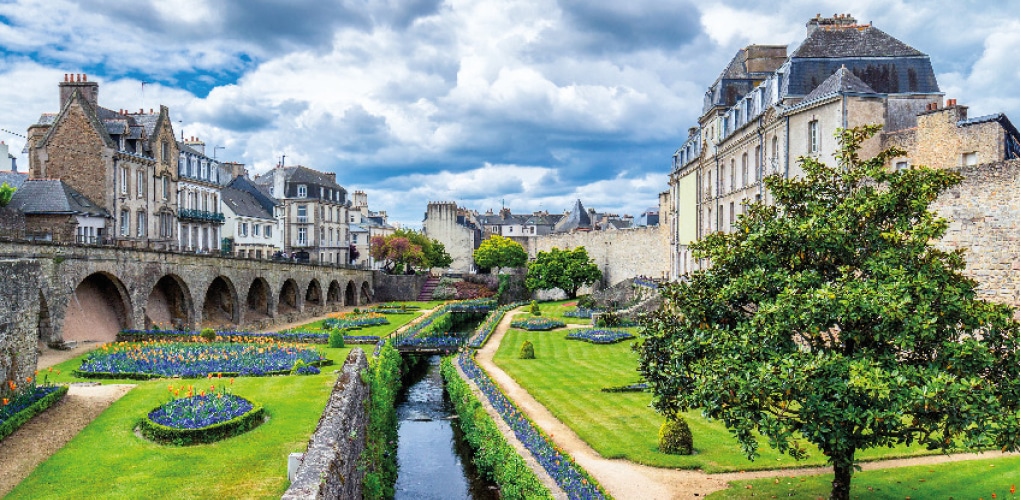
{"type": "Point", "coordinates": [534, 309]}
{"type": "Point", "coordinates": [208, 334]}
{"type": "Point", "coordinates": [527, 351]}
{"type": "Point", "coordinates": [675, 437]}
{"type": "Point", "coordinates": [336, 338]}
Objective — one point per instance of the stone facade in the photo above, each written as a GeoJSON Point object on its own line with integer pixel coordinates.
{"type": "Point", "coordinates": [451, 225]}
{"type": "Point", "coordinates": [391, 288]}
{"type": "Point", "coordinates": [983, 215]}
{"type": "Point", "coordinates": [620, 254]}
{"type": "Point", "coordinates": [329, 469]}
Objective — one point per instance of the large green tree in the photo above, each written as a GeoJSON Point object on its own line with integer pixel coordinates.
{"type": "Point", "coordinates": [407, 249]}
{"type": "Point", "coordinates": [830, 318]}
{"type": "Point", "coordinates": [567, 270]}
{"type": "Point", "coordinates": [498, 251]}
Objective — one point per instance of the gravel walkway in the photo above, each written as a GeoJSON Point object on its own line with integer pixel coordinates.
{"type": "Point", "coordinates": [624, 479]}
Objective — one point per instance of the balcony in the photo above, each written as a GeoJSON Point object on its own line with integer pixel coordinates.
{"type": "Point", "coordinates": [200, 216]}
{"type": "Point", "coordinates": [302, 219]}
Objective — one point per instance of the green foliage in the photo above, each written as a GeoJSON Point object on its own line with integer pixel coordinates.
{"type": "Point", "coordinates": [527, 351]}
{"type": "Point", "coordinates": [7, 427]}
{"type": "Point", "coordinates": [379, 459]}
{"type": "Point", "coordinates": [6, 193]}
{"type": "Point", "coordinates": [183, 437]}
{"type": "Point", "coordinates": [502, 288]}
{"type": "Point", "coordinates": [406, 249]}
{"type": "Point", "coordinates": [298, 364]}
{"type": "Point", "coordinates": [499, 251]}
{"type": "Point", "coordinates": [445, 289]}
{"type": "Point", "coordinates": [675, 437]}
{"type": "Point", "coordinates": [208, 334]}
{"type": "Point", "coordinates": [831, 318]}
{"type": "Point", "coordinates": [534, 309]}
{"type": "Point", "coordinates": [493, 456]}
{"type": "Point", "coordinates": [336, 338]}
{"type": "Point", "coordinates": [567, 270]}
{"type": "Point", "coordinates": [586, 302]}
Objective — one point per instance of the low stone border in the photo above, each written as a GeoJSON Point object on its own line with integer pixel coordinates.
{"type": "Point", "coordinates": [329, 469]}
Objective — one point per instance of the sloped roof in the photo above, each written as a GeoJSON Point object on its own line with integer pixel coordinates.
{"type": "Point", "coordinates": [52, 196]}
{"type": "Point", "coordinates": [13, 179]}
{"type": "Point", "coordinates": [576, 219]}
{"type": "Point", "coordinates": [257, 192]}
{"type": "Point", "coordinates": [843, 81]}
{"type": "Point", "coordinates": [853, 41]}
{"type": "Point", "coordinates": [243, 203]}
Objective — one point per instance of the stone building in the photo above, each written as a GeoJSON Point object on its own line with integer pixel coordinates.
{"type": "Point", "coordinates": [315, 212]}
{"type": "Point", "coordinates": [457, 229]}
{"type": "Point", "coordinates": [254, 222]}
{"type": "Point", "coordinates": [200, 179]}
{"type": "Point", "coordinates": [54, 211]}
{"type": "Point", "coordinates": [365, 224]}
{"type": "Point", "coordinates": [126, 163]}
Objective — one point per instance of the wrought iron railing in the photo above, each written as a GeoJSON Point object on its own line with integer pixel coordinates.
{"type": "Point", "coordinates": [200, 216]}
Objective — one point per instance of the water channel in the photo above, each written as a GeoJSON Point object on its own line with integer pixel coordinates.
{"type": "Point", "coordinates": [433, 459]}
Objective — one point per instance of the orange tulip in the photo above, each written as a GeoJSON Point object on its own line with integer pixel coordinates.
{"type": "Point", "coordinates": [6, 401]}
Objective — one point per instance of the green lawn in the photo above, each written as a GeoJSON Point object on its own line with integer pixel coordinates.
{"type": "Point", "coordinates": [557, 309]}
{"type": "Point", "coordinates": [396, 321]}
{"type": "Point", "coordinates": [108, 460]}
{"type": "Point", "coordinates": [971, 479]}
{"type": "Point", "coordinates": [567, 376]}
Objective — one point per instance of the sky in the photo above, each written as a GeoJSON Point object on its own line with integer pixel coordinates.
{"type": "Point", "coordinates": [529, 104]}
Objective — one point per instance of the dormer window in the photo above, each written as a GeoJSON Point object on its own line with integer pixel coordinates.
{"type": "Point", "coordinates": [302, 191]}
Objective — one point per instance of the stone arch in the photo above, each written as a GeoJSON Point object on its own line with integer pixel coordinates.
{"type": "Point", "coordinates": [259, 300]}
{"type": "Point", "coordinates": [349, 294]}
{"type": "Point", "coordinates": [220, 307]}
{"type": "Point", "coordinates": [333, 293]}
{"type": "Point", "coordinates": [169, 304]}
{"type": "Point", "coordinates": [44, 324]}
{"type": "Point", "coordinates": [365, 296]}
{"type": "Point", "coordinates": [314, 293]}
{"type": "Point", "coordinates": [288, 301]}
{"type": "Point", "coordinates": [99, 308]}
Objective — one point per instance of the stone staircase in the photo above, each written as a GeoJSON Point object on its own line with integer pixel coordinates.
{"type": "Point", "coordinates": [427, 289]}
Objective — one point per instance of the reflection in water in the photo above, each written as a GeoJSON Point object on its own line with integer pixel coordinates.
{"type": "Point", "coordinates": [433, 460]}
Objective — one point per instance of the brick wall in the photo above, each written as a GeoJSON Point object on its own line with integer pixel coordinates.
{"type": "Point", "coordinates": [620, 254]}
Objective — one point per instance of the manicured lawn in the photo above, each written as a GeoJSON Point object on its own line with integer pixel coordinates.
{"type": "Point", "coordinates": [971, 479]}
{"type": "Point", "coordinates": [107, 459]}
{"type": "Point", "coordinates": [396, 321]}
{"type": "Point", "coordinates": [567, 376]}
{"type": "Point", "coordinates": [557, 309]}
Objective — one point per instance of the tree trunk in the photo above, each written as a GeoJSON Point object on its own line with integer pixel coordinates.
{"type": "Point", "coordinates": [843, 468]}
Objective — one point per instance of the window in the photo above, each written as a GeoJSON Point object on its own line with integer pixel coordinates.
{"type": "Point", "coordinates": [302, 191]}
{"type": "Point", "coordinates": [255, 229]}
{"type": "Point", "coordinates": [813, 136]}
{"type": "Point", "coordinates": [166, 187]}
{"type": "Point", "coordinates": [269, 231]}
{"type": "Point", "coordinates": [732, 213]}
{"type": "Point", "coordinates": [302, 236]}
{"type": "Point", "coordinates": [322, 192]}
{"type": "Point", "coordinates": [166, 225]}
{"type": "Point", "coordinates": [205, 170]}
{"type": "Point", "coordinates": [243, 229]}
{"type": "Point", "coordinates": [744, 170]}
{"type": "Point", "coordinates": [719, 218]}
{"type": "Point", "coordinates": [215, 206]}
{"type": "Point", "coordinates": [302, 213]}
{"type": "Point", "coordinates": [164, 152]}
{"type": "Point", "coordinates": [140, 183]}
{"type": "Point", "coordinates": [733, 177]}
{"type": "Point", "coordinates": [124, 180]}
{"type": "Point", "coordinates": [125, 223]}
{"type": "Point", "coordinates": [776, 154]}
{"type": "Point", "coordinates": [902, 165]}
{"type": "Point", "coordinates": [354, 237]}
{"type": "Point", "coordinates": [205, 202]}
{"type": "Point", "coordinates": [140, 226]}
{"type": "Point", "coordinates": [969, 158]}
{"type": "Point", "coordinates": [758, 163]}
{"type": "Point", "coordinates": [322, 236]}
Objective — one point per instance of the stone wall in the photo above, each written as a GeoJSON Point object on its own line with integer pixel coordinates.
{"type": "Point", "coordinates": [389, 288]}
{"type": "Point", "coordinates": [19, 313]}
{"type": "Point", "coordinates": [620, 254]}
{"type": "Point", "coordinates": [983, 212]}
{"type": "Point", "coordinates": [329, 469]}
{"type": "Point", "coordinates": [459, 240]}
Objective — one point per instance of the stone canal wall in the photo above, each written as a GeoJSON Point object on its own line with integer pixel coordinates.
{"type": "Point", "coordinates": [329, 469]}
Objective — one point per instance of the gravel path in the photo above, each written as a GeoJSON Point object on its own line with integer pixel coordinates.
{"type": "Point", "coordinates": [624, 479]}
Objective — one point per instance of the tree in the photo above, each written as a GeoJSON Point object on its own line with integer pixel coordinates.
{"type": "Point", "coordinates": [567, 270]}
{"type": "Point", "coordinates": [498, 251]}
{"type": "Point", "coordinates": [830, 318]}
{"type": "Point", "coordinates": [396, 252]}
{"type": "Point", "coordinates": [6, 193]}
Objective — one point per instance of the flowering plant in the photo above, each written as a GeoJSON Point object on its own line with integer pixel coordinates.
{"type": "Point", "coordinates": [175, 359]}
{"type": "Point", "coordinates": [488, 325]}
{"type": "Point", "coordinates": [599, 336]}
{"type": "Point", "coordinates": [19, 403]}
{"type": "Point", "coordinates": [200, 416]}
{"type": "Point", "coordinates": [537, 323]}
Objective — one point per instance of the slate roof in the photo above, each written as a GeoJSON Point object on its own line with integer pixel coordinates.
{"type": "Point", "coordinates": [853, 41]}
{"type": "Point", "coordinates": [52, 196]}
{"type": "Point", "coordinates": [257, 192]}
{"type": "Point", "coordinates": [14, 179]}
{"type": "Point", "coordinates": [576, 219]}
{"type": "Point", "coordinates": [843, 81]}
{"type": "Point", "coordinates": [299, 174]}
{"type": "Point", "coordinates": [244, 203]}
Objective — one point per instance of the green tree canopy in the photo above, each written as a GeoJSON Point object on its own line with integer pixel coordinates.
{"type": "Point", "coordinates": [830, 318]}
{"type": "Point", "coordinates": [567, 270]}
{"type": "Point", "coordinates": [498, 251]}
{"type": "Point", "coordinates": [407, 249]}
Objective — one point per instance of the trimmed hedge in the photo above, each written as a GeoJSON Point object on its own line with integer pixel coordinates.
{"type": "Point", "coordinates": [493, 455]}
{"type": "Point", "coordinates": [11, 424]}
{"type": "Point", "coordinates": [183, 437]}
{"type": "Point", "coordinates": [150, 376]}
{"type": "Point", "coordinates": [379, 459]}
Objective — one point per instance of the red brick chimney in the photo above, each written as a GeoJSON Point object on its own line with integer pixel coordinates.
{"type": "Point", "coordinates": [80, 82]}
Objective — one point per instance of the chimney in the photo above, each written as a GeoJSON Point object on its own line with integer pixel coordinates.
{"type": "Point", "coordinates": [237, 169]}
{"type": "Point", "coordinates": [5, 153]}
{"type": "Point", "coordinates": [332, 176]}
{"type": "Point", "coordinates": [837, 21]}
{"type": "Point", "coordinates": [89, 90]}
{"type": "Point", "coordinates": [196, 144]}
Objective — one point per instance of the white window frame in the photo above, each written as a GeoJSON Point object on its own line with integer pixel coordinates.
{"type": "Point", "coordinates": [813, 136]}
{"type": "Point", "coordinates": [302, 191]}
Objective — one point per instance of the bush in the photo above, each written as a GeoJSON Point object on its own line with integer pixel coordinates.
{"type": "Point", "coordinates": [675, 437]}
{"type": "Point", "coordinates": [208, 334]}
{"type": "Point", "coordinates": [183, 437]}
{"type": "Point", "coordinates": [445, 290]}
{"type": "Point", "coordinates": [336, 338]}
{"type": "Point", "coordinates": [537, 324]}
{"type": "Point", "coordinates": [586, 302]}
{"type": "Point", "coordinates": [534, 309]}
{"type": "Point", "coordinates": [527, 351]}
{"type": "Point", "coordinates": [379, 458]}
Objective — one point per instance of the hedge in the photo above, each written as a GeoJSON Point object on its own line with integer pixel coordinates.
{"type": "Point", "coordinates": [10, 425]}
{"type": "Point", "coordinates": [184, 437]}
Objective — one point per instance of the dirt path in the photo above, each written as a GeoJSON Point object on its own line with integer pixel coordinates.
{"type": "Point", "coordinates": [49, 431]}
{"type": "Point", "coordinates": [624, 479]}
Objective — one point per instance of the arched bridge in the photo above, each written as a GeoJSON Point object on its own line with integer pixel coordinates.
{"type": "Point", "coordinates": [68, 293]}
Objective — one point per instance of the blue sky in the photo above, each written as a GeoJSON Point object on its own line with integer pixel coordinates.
{"type": "Point", "coordinates": [529, 103]}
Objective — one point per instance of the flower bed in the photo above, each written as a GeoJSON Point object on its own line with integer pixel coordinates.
{"type": "Point", "coordinates": [599, 336]}
{"type": "Point", "coordinates": [471, 306]}
{"type": "Point", "coordinates": [361, 339]}
{"type": "Point", "coordinates": [537, 324]}
{"type": "Point", "coordinates": [221, 336]}
{"type": "Point", "coordinates": [353, 321]}
{"type": "Point", "coordinates": [200, 418]}
{"type": "Point", "coordinates": [487, 327]}
{"type": "Point", "coordinates": [19, 407]}
{"type": "Point", "coordinates": [636, 387]}
{"type": "Point", "coordinates": [188, 360]}
{"type": "Point", "coordinates": [582, 312]}
{"type": "Point", "coordinates": [559, 465]}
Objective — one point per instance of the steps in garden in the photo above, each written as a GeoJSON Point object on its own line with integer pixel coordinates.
{"type": "Point", "coordinates": [427, 289]}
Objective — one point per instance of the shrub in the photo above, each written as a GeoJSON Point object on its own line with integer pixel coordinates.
{"type": "Point", "coordinates": [534, 309]}
{"type": "Point", "coordinates": [379, 458]}
{"type": "Point", "coordinates": [200, 419]}
{"type": "Point", "coordinates": [466, 290]}
{"type": "Point", "coordinates": [336, 338]}
{"type": "Point", "coordinates": [445, 290]}
{"type": "Point", "coordinates": [537, 324]}
{"type": "Point", "coordinates": [208, 334]}
{"type": "Point", "coordinates": [675, 437]}
{"type": "Point", "coordinates": [298, 365]}
{"type": "Point", "coordinates": [527, 351]}
{"type": "Point", "coordinates": [612, 319]}
{"type": "Point", "coordinates": [586, 302]}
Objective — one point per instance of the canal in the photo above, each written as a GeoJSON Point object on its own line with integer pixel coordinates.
{"type": "Point", "coordinates": [433, 459]}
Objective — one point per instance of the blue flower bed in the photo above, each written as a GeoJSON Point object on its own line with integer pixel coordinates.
{"type": "Point", "coordinates": [223, 336]}
{"type": "Point", "coordinates": [636, 387]}
{"type": "Point", "coordinates": [355, 323]}
{"type": "Point", "coordinates": [582, 312]}
{"type": "Point", "coordinates": [200, 411]}
{"type": "Point", "coordinates": [189, 360]}
{"type": "Point", "coordinates": [488, 325]}
{"type": "Point", "coordinates": [600, 336]}
{"type": "Point", "coordinates": [438, 341]}
{"type": "Point", "coordinates": [307, 370]}
{"type": "Point", "coordinates": [20, 407]}
{"type": "Point", "coordinates": [361, 339]}
{"type": "Point", "coordinates": [646, 282]}
{"type": "Point", "coordinates": [537, 324]}
{"type": "Point", "coordinates": [560, 466]}
{"type": "Point", "coordinates": [471, 306]}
